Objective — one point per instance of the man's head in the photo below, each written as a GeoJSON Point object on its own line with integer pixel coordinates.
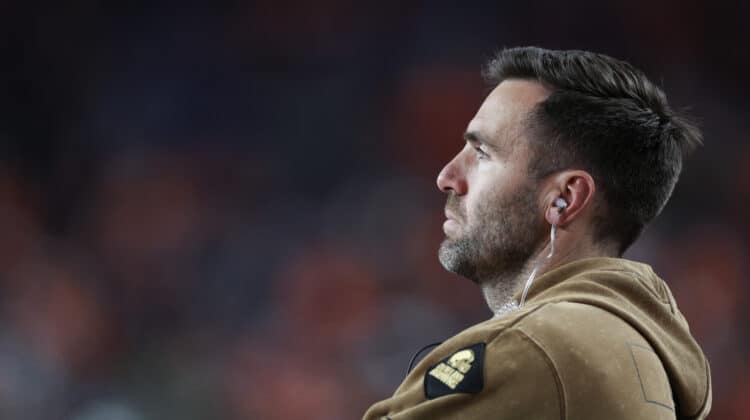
{"type": "Point", "coordinates": [559, 124]}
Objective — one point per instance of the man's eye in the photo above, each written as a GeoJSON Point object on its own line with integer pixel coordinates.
{"type": "Point", "coordinates": [481, 154]}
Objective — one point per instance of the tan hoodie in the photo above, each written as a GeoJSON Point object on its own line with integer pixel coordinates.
{"type": "Point", "coordinates": [598, 338]}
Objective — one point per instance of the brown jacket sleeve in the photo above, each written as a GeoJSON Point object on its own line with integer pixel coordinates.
{"type": "Point", "coordinates": [519, 382]}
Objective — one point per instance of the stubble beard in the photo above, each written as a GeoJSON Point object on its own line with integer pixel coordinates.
{"type": "Point", "coordinates": [499, 243]}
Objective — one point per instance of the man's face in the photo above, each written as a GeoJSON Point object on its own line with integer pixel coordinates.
{"type": "Point", "coordinates": [494, 219]}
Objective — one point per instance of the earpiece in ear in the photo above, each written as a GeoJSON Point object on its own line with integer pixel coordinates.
{"type": "Point", "coordinates": [561, 204]}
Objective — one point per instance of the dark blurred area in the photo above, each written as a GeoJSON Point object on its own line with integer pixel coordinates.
{"type": "Point", "coordinates": [228, 211]}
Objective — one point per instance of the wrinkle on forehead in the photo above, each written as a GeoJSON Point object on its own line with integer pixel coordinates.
{"type": "Point", "coordinates": [502, 116]}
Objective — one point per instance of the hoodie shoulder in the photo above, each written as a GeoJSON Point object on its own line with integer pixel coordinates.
{"type": "Point", "coordinates": [637, 303]}
{"type": "Point", "coordinates": [606, 368]}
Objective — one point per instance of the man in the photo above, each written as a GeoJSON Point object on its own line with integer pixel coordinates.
{"type": "Point", "coordinates": [566, 161]}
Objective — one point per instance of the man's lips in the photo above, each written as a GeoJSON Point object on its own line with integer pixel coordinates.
{"type": "Point", "coordinates": [451, 224]}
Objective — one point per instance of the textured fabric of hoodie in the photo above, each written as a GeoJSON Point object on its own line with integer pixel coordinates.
{"type": "Point", "coordinates": [598, 338]}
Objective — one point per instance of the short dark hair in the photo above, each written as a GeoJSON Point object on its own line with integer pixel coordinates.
{"type": "Point", "coordinates": [604, 116]}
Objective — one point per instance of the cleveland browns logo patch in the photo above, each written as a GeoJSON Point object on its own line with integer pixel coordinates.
{"type": "Point", "coordinates": [462, 372]}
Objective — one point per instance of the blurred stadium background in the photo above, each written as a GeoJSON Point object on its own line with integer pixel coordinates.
{"type": "Point", "coordinates": [228, 211]}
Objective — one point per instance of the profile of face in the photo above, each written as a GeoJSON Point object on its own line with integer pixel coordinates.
{"type": "Point", "coordinates": [494, 217]}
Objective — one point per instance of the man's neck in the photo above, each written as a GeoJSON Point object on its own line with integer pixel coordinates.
{"type": "Point", "coordinates": [499, 291]}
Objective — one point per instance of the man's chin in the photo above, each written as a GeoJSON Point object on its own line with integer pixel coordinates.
{"type": "Point", "coordinates": [452, 256]}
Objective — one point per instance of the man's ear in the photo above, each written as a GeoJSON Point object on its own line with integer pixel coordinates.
{"type": "Point", "coordinates": [577, 188]}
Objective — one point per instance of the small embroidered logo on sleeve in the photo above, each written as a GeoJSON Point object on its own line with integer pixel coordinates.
{"type": "Point", "coordinates": [462, 372]}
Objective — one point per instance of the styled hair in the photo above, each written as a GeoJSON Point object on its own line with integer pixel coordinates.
{"type": "Point", "coordinates": [603, 116]}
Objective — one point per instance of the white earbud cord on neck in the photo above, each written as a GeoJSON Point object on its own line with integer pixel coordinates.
{"type": "Point", "coordinates": [533, 273]}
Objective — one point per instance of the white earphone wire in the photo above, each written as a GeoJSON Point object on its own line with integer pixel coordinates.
{"type": "Point", "coordinates": [512, 306]}
{"type": "Point", "coordinates": [532, 276]}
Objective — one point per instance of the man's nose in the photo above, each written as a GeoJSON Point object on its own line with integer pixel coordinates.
{"type": "Point", "coordinates": [452, 178]}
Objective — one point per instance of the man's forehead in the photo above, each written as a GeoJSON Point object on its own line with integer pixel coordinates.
{"type": "Point", "coordinates": [505, 108]}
